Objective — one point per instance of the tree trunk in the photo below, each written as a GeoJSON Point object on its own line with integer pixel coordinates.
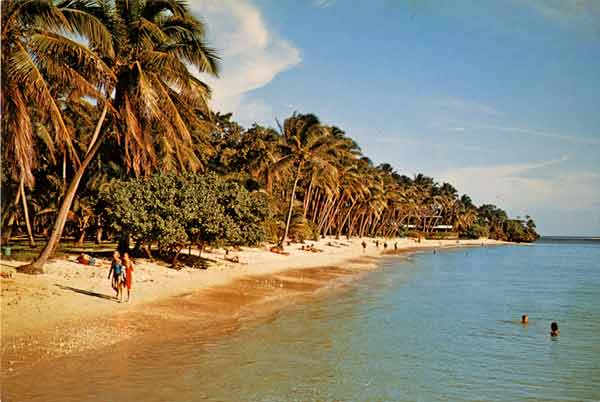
{"type": "Point", "coordinates": [26, 212]}
{"type": "Point", "coordinates": [177, 252]}
{"type": "Point", "coordinates": [7, 230]}
{"type": "Point", "coordinates": [346, 217]}
{"type": "Point", "coordinates": [307, 198]}
{"type": "Point", "coordinates": [37, 266]}
{"type": "Point", "coordinates": [146, 249]}
{"type": "Point", "coordinates": [81, 238]}
{"type": "Point", "coordinates": [99, 235]}
{"type": "Point", "coordinates": [64, 170]}
{"type": "Point", "coordinates": [289, 217]}
{"type": "Point", "coordinates": [269, 181]}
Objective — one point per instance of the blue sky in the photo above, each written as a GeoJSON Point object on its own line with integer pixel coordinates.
{"type": "Point", "coordinates": [500, 98]}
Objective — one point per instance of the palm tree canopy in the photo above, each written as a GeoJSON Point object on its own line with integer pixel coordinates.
{"type": "Point", "coordinates": [40, 61]}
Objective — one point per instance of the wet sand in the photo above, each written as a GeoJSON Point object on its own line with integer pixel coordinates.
{"type": "Point", "coordinates": [219, 309]}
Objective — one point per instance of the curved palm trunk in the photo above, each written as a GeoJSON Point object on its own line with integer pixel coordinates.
{"type": "Point", "coordinates": [343, 223]}
{"type": "Point", "coordinates": [37, 266]}
{"type": "Point", "coordinates": [26, 212]}
{"type": "Point", "coordinates": [289, 217]}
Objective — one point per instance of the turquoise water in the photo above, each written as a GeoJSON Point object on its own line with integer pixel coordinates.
{"type": "Point", "coordinates": [435, 327]}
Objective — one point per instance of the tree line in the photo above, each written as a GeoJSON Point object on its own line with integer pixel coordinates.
{"type": "Point", "coordinates": [101, 113]}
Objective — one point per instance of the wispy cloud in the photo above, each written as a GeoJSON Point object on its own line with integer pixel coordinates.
{"type": "Point", "coordinates": [323, 3]}
{"type": "Point", "coordinates": [252, 55]}
{"type": "Point", "coordinates": [531, 132]}
{"type": "Point", "coordinates": [518, 188]}
{"type": "Point", "coordinates": [578, 14]}
{"type": "Point", "coordinates": [465, 106]}
{"type": "Point", "coordinates": [418, 141]}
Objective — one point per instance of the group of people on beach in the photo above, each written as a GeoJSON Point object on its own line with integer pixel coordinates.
{"type": "Point", "coordinates": [553, 327]}
{"type": "Point", "coordinates": [385, 245]}
{"type": "Point", "coordinates": [121, 275]}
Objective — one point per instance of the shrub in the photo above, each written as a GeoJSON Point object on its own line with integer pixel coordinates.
{"type": "Point", "coordinates": [175, 211]}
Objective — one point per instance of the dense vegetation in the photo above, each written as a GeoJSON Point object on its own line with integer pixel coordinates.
{"type": "Point", "coordinates": [112, 135]}
{"type": "Point", "coordinates": [179, 210]}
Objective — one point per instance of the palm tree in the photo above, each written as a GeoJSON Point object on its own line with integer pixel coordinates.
{"type": "Point", "coordinates": [154, 98]}
{"type": "Point", "coordinates": [37, 54]}
{"type": "Point", "coordinates": [305, 140]}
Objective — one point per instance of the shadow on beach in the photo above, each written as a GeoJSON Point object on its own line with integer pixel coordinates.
{"type": "Point", "coordinates": [86, 292]}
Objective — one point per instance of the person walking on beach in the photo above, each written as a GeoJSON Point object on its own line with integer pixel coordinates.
{"type": "Point", "coordinates": [116, 272]}
{"type": "Point", "coordinates": [364, 245]}
{"type": "Point", "coordinates": [128, 263]}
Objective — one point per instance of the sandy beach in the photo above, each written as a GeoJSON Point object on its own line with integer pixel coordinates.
{"type": "Point", "coordinates": [71, 308]}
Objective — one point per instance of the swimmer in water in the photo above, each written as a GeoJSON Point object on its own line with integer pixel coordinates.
{"type": "Point", "coordinates": [524, 319]}
{"type": "Point", "coordinates": [554, 329]}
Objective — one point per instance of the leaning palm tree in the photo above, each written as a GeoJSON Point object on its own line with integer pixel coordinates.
{"type": "Point", "coordinates": [304, 140]}
{"type": "Point", "coordinates": [155, 99]}
{"type": "Point", "coordinates": [38, 55]}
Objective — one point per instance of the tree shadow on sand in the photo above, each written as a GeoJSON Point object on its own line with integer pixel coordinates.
{"type": "Point", "coordinates": [86, 292]}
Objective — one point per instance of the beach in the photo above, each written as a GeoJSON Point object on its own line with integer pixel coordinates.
{"type": "Point", "coordinates": [71, 308]}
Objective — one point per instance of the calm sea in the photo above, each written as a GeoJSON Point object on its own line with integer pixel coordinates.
{"type": "Point", "coordinates": [433, 327]}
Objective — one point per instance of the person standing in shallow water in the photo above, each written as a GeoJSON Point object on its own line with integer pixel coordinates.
{"type": "Point", "coordinates": [554, 329]}
{"type": "Point", "coordinates": [128, 263]}
{"type": "Point", "coordinates": [524, 319]}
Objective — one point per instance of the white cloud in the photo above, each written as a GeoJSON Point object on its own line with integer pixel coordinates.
{"type": "Point", "coordinates": [252, 55]}
{"type": "Point", "coordinates": [466, 107]}
{"type": "Point", "coordinates": [534, 133]}
{"type": "Point", "coordinates": [519, 189]}
{"type": "Point", "coordinates": [324, 3]}
{"type": "Point", "coordinates": [579, 14]}
{"type": "Point", "coordinates": [564, 8]}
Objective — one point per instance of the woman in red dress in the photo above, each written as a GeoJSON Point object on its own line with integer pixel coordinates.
{"type": "Point", "coordinates": [128, 274]}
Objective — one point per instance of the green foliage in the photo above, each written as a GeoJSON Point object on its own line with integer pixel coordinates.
{"type": "Point", "coordinates": [475, 231]}
{"type": "Point", "coordinates": [177, 210]}
{"type": "Point", "coordinates": [519, 231]}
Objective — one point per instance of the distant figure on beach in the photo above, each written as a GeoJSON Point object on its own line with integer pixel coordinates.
{"type": "Point", "coordinates": [384, 246]}
{"type": "Point", "coordinates": [524, 319]}
{"type": "Point", "coordinates": [364, 245]}
{"type": "Point", "coordinates": [128, 263]}
{"type": "Point", "coordinates": [554, 329]}
{"type": "Point", "coordinates": [396, 246]}
{"type": "Point", "coordinates": [377, 243]}
{"type": "Point", "coordinates": [116, 272]}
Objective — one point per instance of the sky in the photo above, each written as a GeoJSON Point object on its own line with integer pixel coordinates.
{"type": "Point", "coordinates": [500, 98]}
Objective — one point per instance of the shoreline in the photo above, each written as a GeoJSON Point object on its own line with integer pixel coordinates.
{"type": "Point", "coordinates": [70, 309]}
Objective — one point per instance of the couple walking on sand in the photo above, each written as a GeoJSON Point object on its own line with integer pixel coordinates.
{"type": "Point", "coordinates": [121, 271]}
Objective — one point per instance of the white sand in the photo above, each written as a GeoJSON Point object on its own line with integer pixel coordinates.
{"type": "Point", "coordinates": [69, 291]}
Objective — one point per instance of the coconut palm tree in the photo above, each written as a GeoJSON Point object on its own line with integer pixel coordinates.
{"type": "Point", "coordinates": [38, 55]}
{"type": "Point", "coordinates": [305, 141]}
{"type": "Point", "coordinates": [154, 99]}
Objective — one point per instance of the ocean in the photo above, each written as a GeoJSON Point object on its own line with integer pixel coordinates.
{"type": "Point", "coordinates": [441, 326]}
